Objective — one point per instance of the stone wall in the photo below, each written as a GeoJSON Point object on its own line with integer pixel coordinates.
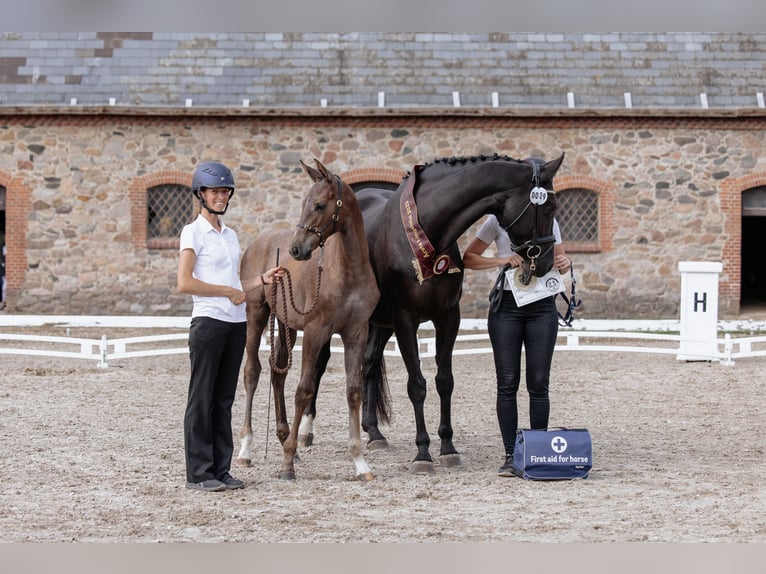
{"type": "Point", "coordinates": [669, 187]}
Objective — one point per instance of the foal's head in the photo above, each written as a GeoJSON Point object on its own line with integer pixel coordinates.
{"type": "Point", "coordinates": [322, 213]}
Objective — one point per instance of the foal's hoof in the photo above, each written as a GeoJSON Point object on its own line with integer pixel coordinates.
{"type": "Point", "coordinates": [306, 439]}
{"type": "Point", "coordinates": [450, 460]}
{"type": "Point", "coordinates": [422, 467]}
{"type": "Point", "coordinates": [365, 477]}
{"type": "Point", "coordinates": [379, 444]}
{"type": "Point", "coordinates": [287, 475]}
{"type": "Point", "coordinates": [243, 462]}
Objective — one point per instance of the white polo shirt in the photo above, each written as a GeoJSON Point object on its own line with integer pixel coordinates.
{"type": "Point", "coordinates": [217, 263]}
{"type": "Point", "coordinates": [491, 232]}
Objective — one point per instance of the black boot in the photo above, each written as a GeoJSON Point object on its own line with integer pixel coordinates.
{"type": "Point", "coordinates": [507, 468]}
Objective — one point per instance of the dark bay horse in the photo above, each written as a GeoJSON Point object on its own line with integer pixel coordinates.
{"type": "Point", "coordinates": [334, 293]}
{"type": "Point", "coordinates": [412, 234]}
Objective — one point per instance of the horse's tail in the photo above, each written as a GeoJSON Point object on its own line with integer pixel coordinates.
{"type": "Point", "coordinates": [383, 402]}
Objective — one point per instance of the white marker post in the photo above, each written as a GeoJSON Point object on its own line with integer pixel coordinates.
{"type": "Point", "coordinates": [699, 310]}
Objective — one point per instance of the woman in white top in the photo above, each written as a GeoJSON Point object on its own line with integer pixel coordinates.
{"type": "Point", "coordinates": [535, 325]}
{"type": "Point", "coordinates": [208, 269]}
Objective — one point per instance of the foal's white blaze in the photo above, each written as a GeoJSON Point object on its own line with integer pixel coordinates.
{"type": "Point", "coordinates": [244, 448]}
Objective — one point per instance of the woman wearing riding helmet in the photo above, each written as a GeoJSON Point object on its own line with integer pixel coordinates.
{"type": "Point", "coordinates": [208, 269]}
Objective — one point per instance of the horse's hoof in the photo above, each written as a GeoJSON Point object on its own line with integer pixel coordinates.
{"type": "Point", "coordinates": [365, 477]}
{"type": "Point", "coordinates": [379, 444]}
{"type": "Point", "coordinates": [450, 460]}
{"type": "Point", "coordinates": [243, 462]}
{"type": "Point", "coordinates": [287, 475]}
{"type": "Point", "coordinates": [306, 439]}
{"type": "Point", "coordinates": [422, 467]}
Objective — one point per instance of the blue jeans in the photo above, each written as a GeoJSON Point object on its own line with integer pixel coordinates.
{"type": "Point", "coordinates": [216, 349]}
{"type": "Point", "coordinates": [535, 326]}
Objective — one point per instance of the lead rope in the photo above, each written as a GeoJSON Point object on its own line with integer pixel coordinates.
{"type": "Point", "coordinates": [272, 320]}
{"type": "Point", "coordinates": [571, 301]}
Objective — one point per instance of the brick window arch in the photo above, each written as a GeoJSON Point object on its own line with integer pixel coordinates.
{"type": "Point", "coordinates": [160, 205]}
{"type": "Point", "coordinates": [585, 213]}
{"type": "Point", "coordinates": [362, 177]}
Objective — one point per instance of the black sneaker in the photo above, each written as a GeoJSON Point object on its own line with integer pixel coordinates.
{"type": "Point", "coordinates": [507, 468]}
{"type": "Point", "coordinates": [210, 485]}
{"type": "Point", "coordinates": [231, 483]}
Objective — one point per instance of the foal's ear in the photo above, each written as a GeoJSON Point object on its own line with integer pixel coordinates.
{"type": "Point", "coordinates": [323, 170]}
{"type": "Point", "coordinates": [313, 174]}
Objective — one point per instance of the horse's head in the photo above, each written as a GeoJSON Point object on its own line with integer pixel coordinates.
{"type": "Point", "coordinates": [528, 217]}
{"type": "Point", "coordinates": [321, 215]}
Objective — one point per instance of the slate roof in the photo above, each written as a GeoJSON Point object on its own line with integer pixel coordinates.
{"type": "Point", "coordinates": [276, 70]}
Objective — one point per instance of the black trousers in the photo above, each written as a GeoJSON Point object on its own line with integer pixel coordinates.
{"type": "Point", "coordinates": [535, 326]}
{"type": "Point", "coordinates": [216, 349]}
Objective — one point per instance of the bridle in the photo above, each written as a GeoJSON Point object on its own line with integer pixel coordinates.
{"type": "Point", "coordinates": [333, 220]}
{"type": "Point", "coordinates": [534, 250]}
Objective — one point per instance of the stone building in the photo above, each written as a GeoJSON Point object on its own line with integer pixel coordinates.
{"type": "Point", "coordinates": [100, 132]}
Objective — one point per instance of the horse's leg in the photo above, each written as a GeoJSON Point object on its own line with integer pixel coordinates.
{"type": "Point", "coordinates": [303, 394]}
{"type": "Point", "coordinates": [252, 372]}
{"type": "Point", "coordinates": [354, 345]}
{"type": "Point", "coordinates": [278, 382]}
{"type": "Point", "coordinates": [306, 429]}
{"type": "Point", "coordinates": [373, 381]}
{"type": "Point", "coordinates": [446, 332]}
{"type": "Point", "coordinates": [406, 337]}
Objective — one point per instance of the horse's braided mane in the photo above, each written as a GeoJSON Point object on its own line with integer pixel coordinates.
{"type": "Point", "coordinates": [463, 160]}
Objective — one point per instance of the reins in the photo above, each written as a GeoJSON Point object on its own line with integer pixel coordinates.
{"type": "Point", "coordinates": [273, 315]}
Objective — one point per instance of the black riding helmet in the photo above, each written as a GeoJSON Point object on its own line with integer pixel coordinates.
{"type": "Point", "coordinates": [212, 174]}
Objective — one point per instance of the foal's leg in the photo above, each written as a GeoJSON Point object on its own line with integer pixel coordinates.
{"type": "Point", "coordinates": [447, 328]}
{"type": "Point", "coordinates": [306, 429]}
{"type": "Point", "coordinates": [278, 381]}
{"type": "Point", "coordinates": [354, 345]}
{"type": "Point", "coordinates": [255, 322]}
{"type": "Point", "coordinates": [303, 394]}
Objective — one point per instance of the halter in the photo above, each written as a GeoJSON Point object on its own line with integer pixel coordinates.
{"type": "Point", "coordinates": [538, 196]}
{"type": "Point", "coordinates": [572, 301]}
{"type": "Point", "coordinates": [333, 220]}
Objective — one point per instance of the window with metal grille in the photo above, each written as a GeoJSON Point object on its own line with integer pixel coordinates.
{"type": "Point", "coordinates": [374, 184]}
{"type": "Point", "coordinates": [577, 214]}
{"type": "Point", "coordinates": [169, 207]}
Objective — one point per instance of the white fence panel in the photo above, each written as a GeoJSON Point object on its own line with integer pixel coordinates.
{"type": "Point", "coordinates": [473, 339]}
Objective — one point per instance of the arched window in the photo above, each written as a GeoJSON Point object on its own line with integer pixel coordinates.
{"type": "Point", "coordinates": [169, 207]}
{"type": "Point", "coordinates": [374, 184]}
{"type": "Point", "coordinates": [577, 212]}
{"type": "Point", "coordinates": [160, 205]}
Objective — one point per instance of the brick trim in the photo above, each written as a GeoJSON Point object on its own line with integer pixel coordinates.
{"type": "Point", "coordinates": [138, 201]}
{"type": "Point", "coordinates": [606, 191]}
{"type": "Point", "coordinates": [17, 207]}
{"type": "Point", "coordinates": [388, 174]}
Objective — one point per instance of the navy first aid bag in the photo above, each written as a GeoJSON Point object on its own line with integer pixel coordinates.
{"type": "Point", "coordinates": [555, 454]}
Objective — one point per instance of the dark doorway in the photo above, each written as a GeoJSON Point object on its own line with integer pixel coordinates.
{"type": "Point", "coordinates": [753, 260]}
{"type": "Point", "coordinates": [753, 286]}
